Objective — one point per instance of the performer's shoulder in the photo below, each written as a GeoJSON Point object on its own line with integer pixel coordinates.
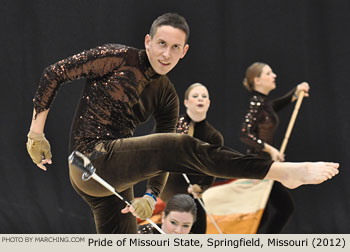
{"type": "Point", "coordinates": [115, 46]}
{"type": "Point", "coordinates": [256, 100]}
{"type": "Point", "coordinates": [256, 97]}
{"type": "Point", "coordinates": [118, 48]}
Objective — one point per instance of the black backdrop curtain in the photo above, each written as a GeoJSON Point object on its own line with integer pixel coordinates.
{"type": "Point", "coordinates": [301, 40]}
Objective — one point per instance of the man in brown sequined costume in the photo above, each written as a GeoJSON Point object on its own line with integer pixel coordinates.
{"type": "Point", "coordinates": [125, 86]}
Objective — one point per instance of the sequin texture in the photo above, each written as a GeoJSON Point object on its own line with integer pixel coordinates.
{"type": "Point", "coordinates": [183, 125]}
{"type": "Point", "coordinates": [122, 90]}
{"type": "Point", "coordinates": [147, 229]}
{"type": "Point", "coordinates": [261, 120]}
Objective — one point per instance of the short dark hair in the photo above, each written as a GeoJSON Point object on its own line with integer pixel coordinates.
{"type": "Point", "coordinates": [171, 19]}
{"type": "Point", "coordinates": [181, 203]}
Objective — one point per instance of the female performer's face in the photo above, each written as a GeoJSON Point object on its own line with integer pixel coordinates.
{"type": "Point", "coordinates": [267, 79]}
{"type": "Point", "coordinates": [198, 101]}
{"type": "Point", "coordinates": [177, 222]}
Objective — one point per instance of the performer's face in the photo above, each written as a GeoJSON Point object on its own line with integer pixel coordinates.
{"type": "Point", "coordinates": [177, 222]}
{"type": "Point", "coordinates": [198, 101]}
{"type": "Point", "coordinates": [267, 79]}
{"type": "Point", "coordinates": [166, 48]}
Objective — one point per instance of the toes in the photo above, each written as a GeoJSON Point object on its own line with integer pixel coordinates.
{"type": "Point", "coordinates": [333, 165]}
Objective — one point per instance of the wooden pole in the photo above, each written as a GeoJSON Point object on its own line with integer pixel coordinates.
{"type": "Point", "coordinates": [291, 122]}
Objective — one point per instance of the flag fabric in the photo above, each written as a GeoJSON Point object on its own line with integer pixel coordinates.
{"type": "Point", "coordinates": [237, 207]}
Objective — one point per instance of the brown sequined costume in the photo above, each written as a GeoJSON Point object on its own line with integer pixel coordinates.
{"type": "Point", "coordinates": [259, 126]}
{"type": "Point", "coordinates": [147, 229]}
{"type": "Point", "coordinates": [176, 183]}
{"type": "Point", "coordinates": [122, 90]}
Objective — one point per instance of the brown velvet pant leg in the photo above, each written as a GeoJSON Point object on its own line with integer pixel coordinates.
{"type": "Point", "coordinates": [128, 161]}
{"type": "Point", "coordinates": [107, 216]}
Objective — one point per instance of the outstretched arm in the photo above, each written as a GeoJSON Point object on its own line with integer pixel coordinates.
{"type": "Point", "coordinates": [92, 63]}
{"type": "Point", "coordinates": [291, 96]}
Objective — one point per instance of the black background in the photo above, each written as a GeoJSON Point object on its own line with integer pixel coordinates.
{"type": "Point", "coordinates": [300, 40]}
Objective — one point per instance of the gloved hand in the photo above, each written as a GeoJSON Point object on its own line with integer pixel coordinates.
{"type": "Point", "coordinates": [38, 147]}
{"type": "Point", "coordinates": [195, 190]}
{"type": "Point", "coordinates": [143, 207]}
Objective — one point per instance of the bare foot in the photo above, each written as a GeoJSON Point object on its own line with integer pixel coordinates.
{"type": "Point", "coordinates": [293, 175]}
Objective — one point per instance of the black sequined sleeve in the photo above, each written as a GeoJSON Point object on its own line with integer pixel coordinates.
{"type": "Point", "coordinates": [283, 101]}
{"type": "Point", "coordinates": [91, 63]}
{"type": "Point", "coordinates": [249, 129]}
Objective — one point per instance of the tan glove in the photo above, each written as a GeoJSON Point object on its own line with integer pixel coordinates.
{"type": "Point", "coordinates": [144, 207]}
{"type": "Point", "coordinates": [38, 147]}
{"type": "Point", "coordinates": [195, 190]}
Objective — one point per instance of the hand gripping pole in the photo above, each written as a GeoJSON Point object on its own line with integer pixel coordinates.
{"type": "Point", "coordinates": [81, 162]}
